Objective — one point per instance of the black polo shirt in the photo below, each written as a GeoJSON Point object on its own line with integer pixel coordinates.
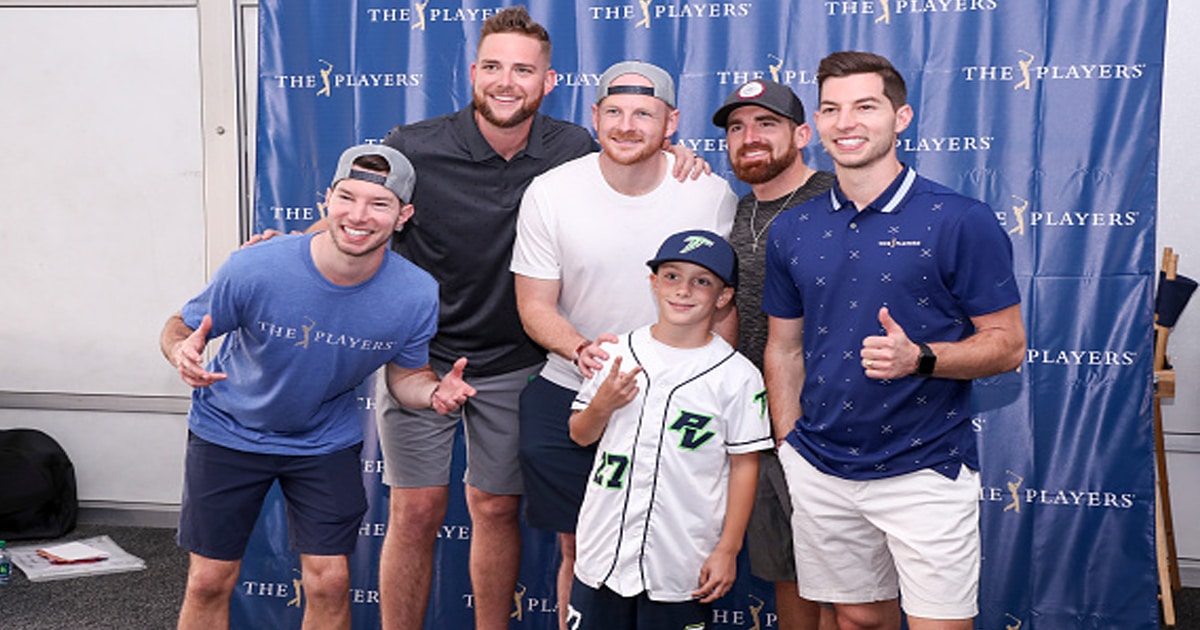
{"type": "Point", "coordinates": [466, 198]}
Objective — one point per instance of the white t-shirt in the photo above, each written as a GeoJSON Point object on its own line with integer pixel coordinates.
{"type": "Point", "coordinates": [573, 227]}
{"type": "Point", "coordinates": [656, 497]}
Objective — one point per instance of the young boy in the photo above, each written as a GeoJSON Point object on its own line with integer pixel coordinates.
{"type": "Point", "coordinates": [676, 467]}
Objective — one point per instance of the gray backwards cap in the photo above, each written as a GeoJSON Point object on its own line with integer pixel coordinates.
{"type": "Point", "coordinates": [400, 178]}
{"type": "Point", "coordinates": [664, 86]}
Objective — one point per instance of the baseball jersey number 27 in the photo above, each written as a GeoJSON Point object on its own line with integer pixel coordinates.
{"type": "Point", "coordinates": [612, 466]}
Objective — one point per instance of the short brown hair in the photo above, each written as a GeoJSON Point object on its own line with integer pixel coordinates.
{"type": "Point", "coordinates": [516, 19]}
{"type": "Point", "coordinates": [376, 163]}
{"type": "Point", "coordinates": [848, 62]}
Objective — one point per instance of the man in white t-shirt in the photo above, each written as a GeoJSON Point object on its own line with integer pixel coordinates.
{"type": "Point", "coordinates": [584, 232]}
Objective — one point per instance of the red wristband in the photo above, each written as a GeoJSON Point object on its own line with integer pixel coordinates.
{"type": "Point", "coordinates": [579, 349]}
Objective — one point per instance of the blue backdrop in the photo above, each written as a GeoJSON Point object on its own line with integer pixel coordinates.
{"type": "Point", "coordinates": [1046, 110]}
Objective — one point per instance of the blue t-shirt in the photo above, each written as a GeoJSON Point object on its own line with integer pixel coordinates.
{"type": "Point", "coordinates": [932, 256]}
{"type": "Point", "coordinates": [298, 345]}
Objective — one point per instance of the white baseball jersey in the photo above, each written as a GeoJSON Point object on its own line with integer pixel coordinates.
{"type": "Point", "coordinates": [655, 502]}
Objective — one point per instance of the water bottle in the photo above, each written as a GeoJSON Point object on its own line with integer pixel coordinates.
{"type": "Point", "coordinates": [5, 564]}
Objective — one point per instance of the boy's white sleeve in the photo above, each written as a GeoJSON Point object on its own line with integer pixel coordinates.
{"type": "Point", "coordinates": [748, 428]}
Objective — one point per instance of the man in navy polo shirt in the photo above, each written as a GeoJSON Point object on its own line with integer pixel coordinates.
{"type": "Point", "coordinates": [885, 297]}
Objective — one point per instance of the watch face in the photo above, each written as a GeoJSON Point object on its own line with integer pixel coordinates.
{"type": "Point", "coordinates": [927, 360]}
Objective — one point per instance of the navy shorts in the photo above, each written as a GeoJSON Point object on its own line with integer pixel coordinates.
{"type": "Point", "coordinates": [223, 491]}
{"type": "Point", "coordinates": [603, 609]}
{"type": "Point", "coordinates": [554, 468]}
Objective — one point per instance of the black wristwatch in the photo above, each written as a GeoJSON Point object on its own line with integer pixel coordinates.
{"type": "Point", "coordinates": [926, 361]}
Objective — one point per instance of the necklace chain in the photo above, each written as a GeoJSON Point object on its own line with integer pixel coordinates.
{"type": "Point", "coordinates": [757, 234]}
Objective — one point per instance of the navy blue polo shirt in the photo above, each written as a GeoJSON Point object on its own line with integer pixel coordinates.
{"type": "Point", "coordinates": [932, 256]}
{"type": "Point", "coordinates": [466, 201]}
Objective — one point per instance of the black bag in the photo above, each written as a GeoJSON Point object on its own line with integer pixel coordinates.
{"type": "Point", "coordinates": [37, 486]}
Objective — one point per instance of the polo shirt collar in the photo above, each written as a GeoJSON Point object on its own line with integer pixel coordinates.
{"type": "Point", "coordinates": [478, 145]}
{"type": "Point", "coordinates": [889, 200]}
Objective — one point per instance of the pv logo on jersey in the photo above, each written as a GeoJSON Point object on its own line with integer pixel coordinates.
{"type": "Point", "coordinates": [691, 426]}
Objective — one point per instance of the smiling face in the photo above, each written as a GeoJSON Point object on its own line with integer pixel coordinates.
{"type": "Point", "coordinates": [688, 294]}
{"type": "Point", "coordinates": [509, 78]}
{"type": "Point", "coordinates": [362, 216]}
{"type": "Point", "coordinates": [631, 127]}
{"type": "Point", "coordinates": [762, 144]}
{"type": "Point", "coordinates": [857, 123]}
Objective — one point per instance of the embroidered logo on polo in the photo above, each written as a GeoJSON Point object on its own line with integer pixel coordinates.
{"type": "Point", "coordinates": [691, 427]}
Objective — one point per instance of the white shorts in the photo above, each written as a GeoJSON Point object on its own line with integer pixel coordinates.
{"type": "Point", "coordinates": [915, 535]}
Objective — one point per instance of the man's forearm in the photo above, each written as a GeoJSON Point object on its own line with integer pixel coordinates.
{"type": "Point", "coordinates": [174, 331]}
{"type": "Point", "coordinates": [412, 388]}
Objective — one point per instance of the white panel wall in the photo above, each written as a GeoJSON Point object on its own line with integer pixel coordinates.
{"type": "Point", "coordinates": [1179, 228]}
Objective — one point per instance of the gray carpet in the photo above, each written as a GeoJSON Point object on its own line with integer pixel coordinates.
{"type": "Point", "coordinates": [147, 599]}
{"type": "Point", "coordinates": [150, 599]}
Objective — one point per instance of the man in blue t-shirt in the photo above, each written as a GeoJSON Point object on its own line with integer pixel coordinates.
{"type": "Point", "coordinates": [306, 319]}
{"type": "Point", "coordinates": [885, 297]}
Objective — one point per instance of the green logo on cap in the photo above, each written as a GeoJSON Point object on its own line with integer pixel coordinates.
{"type": "Point", "coordinates": [693, 242]}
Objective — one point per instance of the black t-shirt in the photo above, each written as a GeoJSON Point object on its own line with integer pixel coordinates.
{"type": "Point", "coordinates": [748, 237]}
{"type": "Point", "coordinates": [466, 202]}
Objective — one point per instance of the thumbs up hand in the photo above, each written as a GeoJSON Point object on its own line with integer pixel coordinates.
{"type": "Point", "coordinates": [890, 356]}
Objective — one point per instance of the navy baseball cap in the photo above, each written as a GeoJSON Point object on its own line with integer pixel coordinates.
{"type": "Point", "coordinates": [400, 178]}
{"type": "Point", "coordinates": [774, 96]}
{"type": "Point", "coordinates": [703, 248]}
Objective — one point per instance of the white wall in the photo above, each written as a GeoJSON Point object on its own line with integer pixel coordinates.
{"type": "Point", "coordinates": [124, 136]}
{"type": "Point", "coordinates": [113, 131]}
{"type": "Point", "coordinates": [1179, 229]}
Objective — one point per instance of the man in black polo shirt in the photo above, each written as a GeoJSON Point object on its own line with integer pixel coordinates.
{"type": "Point", "coordinates": [473, 167]}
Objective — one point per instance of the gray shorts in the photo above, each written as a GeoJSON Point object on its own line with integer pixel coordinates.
{"type": "Point", "coordinates": [417, 445]}
{"type": "Point", "coordinates": [769, 532]}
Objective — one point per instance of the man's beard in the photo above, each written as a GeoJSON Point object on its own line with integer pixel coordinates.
{"type": "Point", "coordinates": [518, 117]}
{"type": "Point", "coordinates": [764, 170]}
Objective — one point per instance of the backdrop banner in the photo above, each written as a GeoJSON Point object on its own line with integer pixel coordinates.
{"type": "Point", "coordinates": [1046, 110]}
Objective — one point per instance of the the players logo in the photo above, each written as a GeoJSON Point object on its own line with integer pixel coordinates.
{"type": "Point", "coordinates": [1023, 64]}
{"type": "Point", "coordinates": [419, 20]}
{"type": "Point", "coordinates": [691, 428]}
{"type": "Point", "coordinates": [886, 15]}
{"type": "Point", "coordinates": [298, 586]}
{"type": "Point", "coordinates": [518, 612]}
{"type": "Point", "coordinates": [306, 329]}
{"type": "Point", "coordinates": [325, 87]}
{"type": "Point", "coordinates": [645, 7]}
{"type": "Point", "coordinates": [1014, 489]}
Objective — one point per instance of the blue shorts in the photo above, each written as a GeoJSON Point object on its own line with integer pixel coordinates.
{"type": "Point", "coordinates": [223, 492]}
{"type": "Point", "coordinates": [554, 468]}
{"type": "Point", "coordinates": [603, 609]}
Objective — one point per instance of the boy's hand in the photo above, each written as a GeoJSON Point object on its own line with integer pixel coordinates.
{"type": "Point", "coordinates": [716, 576]}
{"type": "Point", "coordinates": [617, 389]}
